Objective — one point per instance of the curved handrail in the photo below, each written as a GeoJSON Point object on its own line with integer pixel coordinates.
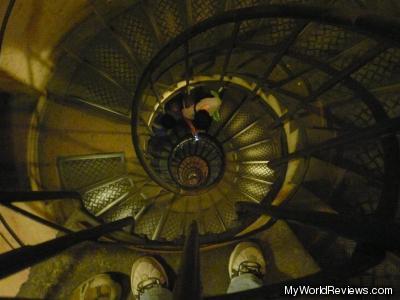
{"type": "Point", "coordinates": [365, 22]}
{"type": "Point", "coordinates": [5, 21]}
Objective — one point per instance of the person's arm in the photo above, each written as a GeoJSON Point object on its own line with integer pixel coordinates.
{"type": "Point", "coordinates": [217, 98]}
{"type": "Point", "coordinates": [214, 106]}
{"type": "Point", "coordinates": [188, 112]}
{"type": "Point", "coordinates": [191, 126]}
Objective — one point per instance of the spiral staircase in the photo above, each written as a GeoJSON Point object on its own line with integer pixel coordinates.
{"type": "Point", "coordinates": [309, 116]}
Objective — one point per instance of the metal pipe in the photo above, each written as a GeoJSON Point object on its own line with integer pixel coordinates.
{"type": "Point", "coordinates": [389, 126]}
{"type": "Point", "coordinates": [25, 196]}
{"type": "Point", "coordinates": [21, 258]}
{"type": "Point", "coordinates": [6, 17]}
{"type": "Point", "coordinates": [383, 235]}
{"type": "Point", "coordinates": [38, 219]}
{"type": "Point", "coordinates": [188, 284]}
{"type": "Point", "coordinates": [230, 50]}
{"type": "Point", "coordinates": [11, 231]}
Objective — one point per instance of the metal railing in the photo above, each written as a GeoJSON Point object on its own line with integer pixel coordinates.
{"type": "Point", "coordinates": [374, 236]}
{"type": "Point", "coordinates": [379, 236]}
{"type": "Point", "coordinates": [364, 23]}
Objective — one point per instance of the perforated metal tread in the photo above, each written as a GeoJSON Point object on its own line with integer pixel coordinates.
{"type": "Point", "coordinates": [99, 93]}
{"type": "Point", "coordinates": [103, 196]}
{"type": "Point", "coordinates": [80, 171]}
{"type": "Point", "coordinates": [107, 191]}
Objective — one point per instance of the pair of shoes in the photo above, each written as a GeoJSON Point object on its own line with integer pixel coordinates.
{"type": "Point", "coordinates": [247, 257]}
{"type": "Point", "coordinates": [147, 272]}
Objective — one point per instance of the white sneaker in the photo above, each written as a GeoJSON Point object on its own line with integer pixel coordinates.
{"type": "Point", "coordinates": [247, 257]}
{"type": "Point", "coordinates": [146, 273]}
{"type": "Point", "coordinates": [99, 287]}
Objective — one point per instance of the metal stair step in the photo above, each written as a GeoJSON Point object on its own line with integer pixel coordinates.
{"type": "Point", "coordinates": [102, 196]}
{"type": "Point", "coordinates": [79, 171]}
